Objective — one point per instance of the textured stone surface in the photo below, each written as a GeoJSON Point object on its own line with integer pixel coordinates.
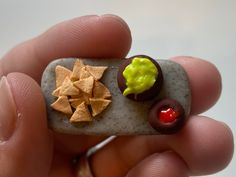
{"type": "Point", "coordinates": [123, 116]}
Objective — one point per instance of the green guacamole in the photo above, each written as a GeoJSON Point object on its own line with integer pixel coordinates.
{"type": "Point", "coordinates": [140, 75]}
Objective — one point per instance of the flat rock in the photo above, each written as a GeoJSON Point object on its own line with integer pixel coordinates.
{"type": "Point", "coordinates": [123, 116]}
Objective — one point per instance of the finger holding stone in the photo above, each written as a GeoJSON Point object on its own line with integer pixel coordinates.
{"type": "Point", "coordinates": [167, 164]}
{"type": "Point", "coordinates": [205, 82]}
{"type": "Point", "coordinates": [200, 140]}
{"type": "Point", "coordinates": [88, 36]}
{"type": "Point", "coordinates": [24, 135]}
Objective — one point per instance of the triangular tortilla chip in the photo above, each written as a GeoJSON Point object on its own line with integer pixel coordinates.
{"type": "Point", "coordinates": [75, 96]}
{"type": "Point", "coordinates": [98, 105]}
{"type": "Point", "coordinates": [76, 70]}
{"type": "Point", "coordinates": [100, 90]}
{"type": "Point", "coordinates": [82, 96]}
{"type": "Point", "coordinates": [61, 74]}
{"type": "Point", "coordinates": [56, 92]}
{"type": "Point", "coordinates": [62, 104]}
{"type": "Point", "coordinates": [74, 102]}
{"type": "Point", "coordinates": [86, 97]}
{"type": "Point", "coordinates": [84, 73]}
{"type": "Point", "coordinates": [96, 71]}
{"type": "Point", "coordinates": [81, 114]}
{"type": "Point", "coordinates": [86, 85]}
{"type": "Point", "coordinates": [67, 88]}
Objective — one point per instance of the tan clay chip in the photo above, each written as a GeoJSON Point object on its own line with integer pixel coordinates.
{"type": "Point", "coordinates": [61, 74]}
{"type": "Point", "coordinates": [67, 88]}
{"type": "Point", "coordinates": [56, 92]}
{"type": "Point", "coordinates": [81, 114]}
{"type": "Point", "coordinates": [82, 96]}
{"type": "Point", "coordinates": [96, 71]}
{"type": "Point", "coordinates": [76, 96]}
{"type": "Point", "coordinates": [100, 90]}
{"type": "Point", "coordinates": [84, 73]}
{"type": "Point", "coordinates": [98, 105]}
{"type": "Point", "coordinates": [86, 97]}
{"type": "Point", "coordinates": [76, 70]}
{"type": "Point", "coordinates": [86, 85]}
{"type": "Point", "coordinates": [79, 99]}
{"type": "Point", "coordinates": [74, 102]}
{"type": "Point", "coordinates": [62, 104]}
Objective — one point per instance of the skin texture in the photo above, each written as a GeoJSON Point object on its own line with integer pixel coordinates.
{"type": "Point", "coordinates": [52, 153]}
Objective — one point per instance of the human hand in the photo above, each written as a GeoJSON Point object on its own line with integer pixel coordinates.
{"type": "Point", "coordinates": [29, 149]}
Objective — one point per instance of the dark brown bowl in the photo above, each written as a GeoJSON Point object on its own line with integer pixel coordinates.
{"type": "Point", "coordinates": [166, 126]}
{"type": "Point", "coordinates": [148, 94]}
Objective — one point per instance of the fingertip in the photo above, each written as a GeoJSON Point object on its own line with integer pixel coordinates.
{"type": "Point", "coordinates": [205, 144]}
{"type": "Point", "coordinates": [31, 140]}
{"type": "Point", "coordinates": [30, 105]}
{"type": "Point", "coordinates": [87, 36]}
{"type": "Point", "coordinates": [24, 87]}
{"type": "Point", "coordinates": [122, 23]}
{"type": "Point", "coordinates": [106, 36]}
{"type": "Point", "coordinates": [205, 82]}
{"type": "Point", "coordinates": [121, 33]}
{"type": "Point", "coordinates": [167, 164]}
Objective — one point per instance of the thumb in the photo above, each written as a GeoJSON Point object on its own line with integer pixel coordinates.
{"type": "Point", "coordinates": [25, 141]}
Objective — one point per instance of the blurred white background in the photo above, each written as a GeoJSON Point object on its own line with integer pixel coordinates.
{"type": "Point", "coordinates": [162, 29]}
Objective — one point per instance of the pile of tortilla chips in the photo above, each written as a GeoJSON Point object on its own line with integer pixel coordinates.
{"type": "Point", "coordinates": [79, 93]}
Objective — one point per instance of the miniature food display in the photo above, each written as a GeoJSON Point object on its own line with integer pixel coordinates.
{"type": "Point", "coordinates": [134, 96]}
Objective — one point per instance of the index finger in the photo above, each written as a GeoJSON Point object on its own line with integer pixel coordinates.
{"type": "Point", "coordinates": [88, 36]}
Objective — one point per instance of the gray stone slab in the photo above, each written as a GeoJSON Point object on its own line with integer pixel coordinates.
{"type": "Point", "coordinates": [123, 116]}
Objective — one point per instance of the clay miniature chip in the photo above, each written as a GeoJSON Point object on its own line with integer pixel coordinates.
{"type": "Point", "coordinates": [81, 114]}
{"type": "Point", "coordinates": [67, 88]}
{"type": "Point", "coordinates": [86, 97]}
{"type": "Point", "coordinates": [61, 73]}
{"type": "Point", "coordinates": [98, 105]}
{"type": "Point", "coordinates": [86, 85]}
{"type": "Point", "coordinates": [96, 71]}
{"type": "Point", "coordinates": [56, 92]}
{"type": "Point", "coordinates": [74, 102]}
{"type": "Point", "coordinates": [82, 97]}
{"type": "Point", "coordinates": [84, 73]}
{"type": "Point", "coordinates": [62, 104]}
{"type": "Point", "coordinates": [100, 90]}
{"type": "Point", "coordinates": [76, 70]}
